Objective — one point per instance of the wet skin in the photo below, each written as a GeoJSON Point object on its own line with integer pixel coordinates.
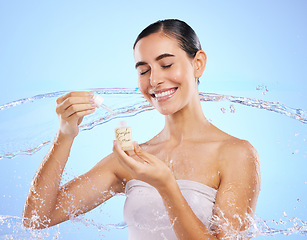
{"type": "Point", "coordinates": [189, 147]}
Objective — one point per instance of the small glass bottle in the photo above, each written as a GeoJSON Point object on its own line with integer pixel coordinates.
{"type": "Point", "coordinates": [123, 136]}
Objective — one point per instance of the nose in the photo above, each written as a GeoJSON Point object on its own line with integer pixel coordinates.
{"type": "Point", "coordinates": [155, 78]}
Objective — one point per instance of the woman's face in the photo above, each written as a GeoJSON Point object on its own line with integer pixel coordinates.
{"type": "Point", "coordinates": [165, 73]}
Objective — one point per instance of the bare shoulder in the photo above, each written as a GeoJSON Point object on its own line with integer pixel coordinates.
{"type": "Point", "coordinates": [237, 148]}
{"type": "Point", "coordinates": [238, 156]}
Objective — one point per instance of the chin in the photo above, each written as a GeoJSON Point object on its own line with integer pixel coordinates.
{"type": "Point", "coordinates": [166, 111]}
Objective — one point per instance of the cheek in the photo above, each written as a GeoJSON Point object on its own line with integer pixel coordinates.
{"type": "Point", "coordinates": [179, 75]}
{"type": "Point", "coordinates": [143, 85]}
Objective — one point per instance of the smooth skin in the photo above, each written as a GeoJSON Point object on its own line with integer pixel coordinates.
{"type": "Point", "coordinates": [189, 147]}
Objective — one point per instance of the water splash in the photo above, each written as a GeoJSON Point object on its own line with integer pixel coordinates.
{"type": "Point", "coordinates": [134, 104]}
{"type": "Point", "coordinates": [12, 228]}
{"type": "Point", "coordinates": [288, 226]}
{"type": "Point", "coordinates": [258, 226]}
{"type": "Point", "coordinates": [125, 103]}
{"type": "Point", "coordinates": [298, 114]}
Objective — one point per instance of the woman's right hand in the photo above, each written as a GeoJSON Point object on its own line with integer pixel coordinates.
{"type": "Point", "coordinates": [71, 108]}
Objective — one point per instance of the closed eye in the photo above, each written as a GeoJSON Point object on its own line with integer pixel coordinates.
{"type": "Point", "coordinates": [167, 66]}
{"type": "Point", "coordinates": [142, 73]}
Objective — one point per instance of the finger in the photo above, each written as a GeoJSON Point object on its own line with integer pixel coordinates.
{"type": "Point", "coordinates": [77, 108]}
{"type": "Point", "coordinates": [129, 162]}
{"type": "Point", "coordinates": [147, 157]}
{"type": "Point", "coordinates": [72, 101]}
{"type": "Point", "coordinates": [76, 116]}
{"type": "Point", "coordinates": [74, 94]}
{"type": "Point", "coordinates": [77, 100]}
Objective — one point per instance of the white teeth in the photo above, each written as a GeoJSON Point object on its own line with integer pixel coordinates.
{"type": "Point", "coordinates": [165, 93]}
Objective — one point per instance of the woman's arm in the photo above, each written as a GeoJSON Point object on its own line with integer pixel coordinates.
{"type": "Point", "coordinates": [239, 189]}
{"type": "Point", "coordinates": [236, 198]}
{"type": "Point", "coordinates": [48, 203]}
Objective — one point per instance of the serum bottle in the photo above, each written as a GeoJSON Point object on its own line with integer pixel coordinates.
{"type": "Point", "coordinates": [122, 133]}
{"type": "Point", "coordinates": [123, 136]}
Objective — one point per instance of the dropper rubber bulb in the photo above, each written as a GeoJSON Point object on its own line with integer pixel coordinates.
{"type": "Point", "coordinates": [99, 103]}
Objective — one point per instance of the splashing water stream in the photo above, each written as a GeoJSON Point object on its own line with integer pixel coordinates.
{"type": "Point", "coordinates": [18, 140]}
{"type": "Point", "coordinates": [139, 105]}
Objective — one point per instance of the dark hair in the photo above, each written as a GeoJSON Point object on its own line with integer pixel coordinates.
{"type": "Point", "coordinates": [185, 35]}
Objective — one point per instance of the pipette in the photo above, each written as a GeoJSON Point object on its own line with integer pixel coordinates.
{"type": "Point", "coordinates": [99, 103]}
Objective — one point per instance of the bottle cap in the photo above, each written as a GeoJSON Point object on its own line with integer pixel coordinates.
{"type": "Point", "coordinates": [98, 100]}
{"type": "Point", "coordinates": [122, 124]}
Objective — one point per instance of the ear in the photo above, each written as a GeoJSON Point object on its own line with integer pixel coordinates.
{"type": "Point", "coordinates": [200, 61]}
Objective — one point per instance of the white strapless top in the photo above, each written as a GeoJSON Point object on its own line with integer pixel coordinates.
{"type": "Point", "coordinates": [145, 214]}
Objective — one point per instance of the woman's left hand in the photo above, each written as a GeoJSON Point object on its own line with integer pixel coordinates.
{"type": "Point", "coordinates": [144, 166]}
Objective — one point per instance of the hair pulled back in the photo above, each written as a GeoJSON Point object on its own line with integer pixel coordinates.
{"type": "Point", "coordinates": [181, 31]}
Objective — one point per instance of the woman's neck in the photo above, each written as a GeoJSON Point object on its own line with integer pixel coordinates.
{"type": "Point", "coordinates": [188, 123]}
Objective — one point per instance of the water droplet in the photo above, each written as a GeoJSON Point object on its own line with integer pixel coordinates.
{"type": "Point", "coordinates": [223, 110]}
{"type": "Point", "coordinates": [232, 108]}
{"type": "Point", "coordinates": [282, 222]}
{"type": "Point", "coordinates": [262, 88]}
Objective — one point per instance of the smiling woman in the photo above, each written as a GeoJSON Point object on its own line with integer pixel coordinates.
{"type": "Point", "coordinates": [191, 181]}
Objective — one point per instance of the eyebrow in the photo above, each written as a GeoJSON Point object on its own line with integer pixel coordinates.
{"type": "Point", "coordinates": [164, 55]}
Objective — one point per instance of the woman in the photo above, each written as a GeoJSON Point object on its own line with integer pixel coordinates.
{"type": "Point", "coordinates": [191, 181]}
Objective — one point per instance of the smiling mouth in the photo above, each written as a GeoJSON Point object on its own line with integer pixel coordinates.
{"type": "Point", "coordinates": [164, 94]}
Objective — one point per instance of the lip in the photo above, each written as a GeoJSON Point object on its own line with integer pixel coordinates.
{"type": "Point", "coordinates": [163, 94]}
